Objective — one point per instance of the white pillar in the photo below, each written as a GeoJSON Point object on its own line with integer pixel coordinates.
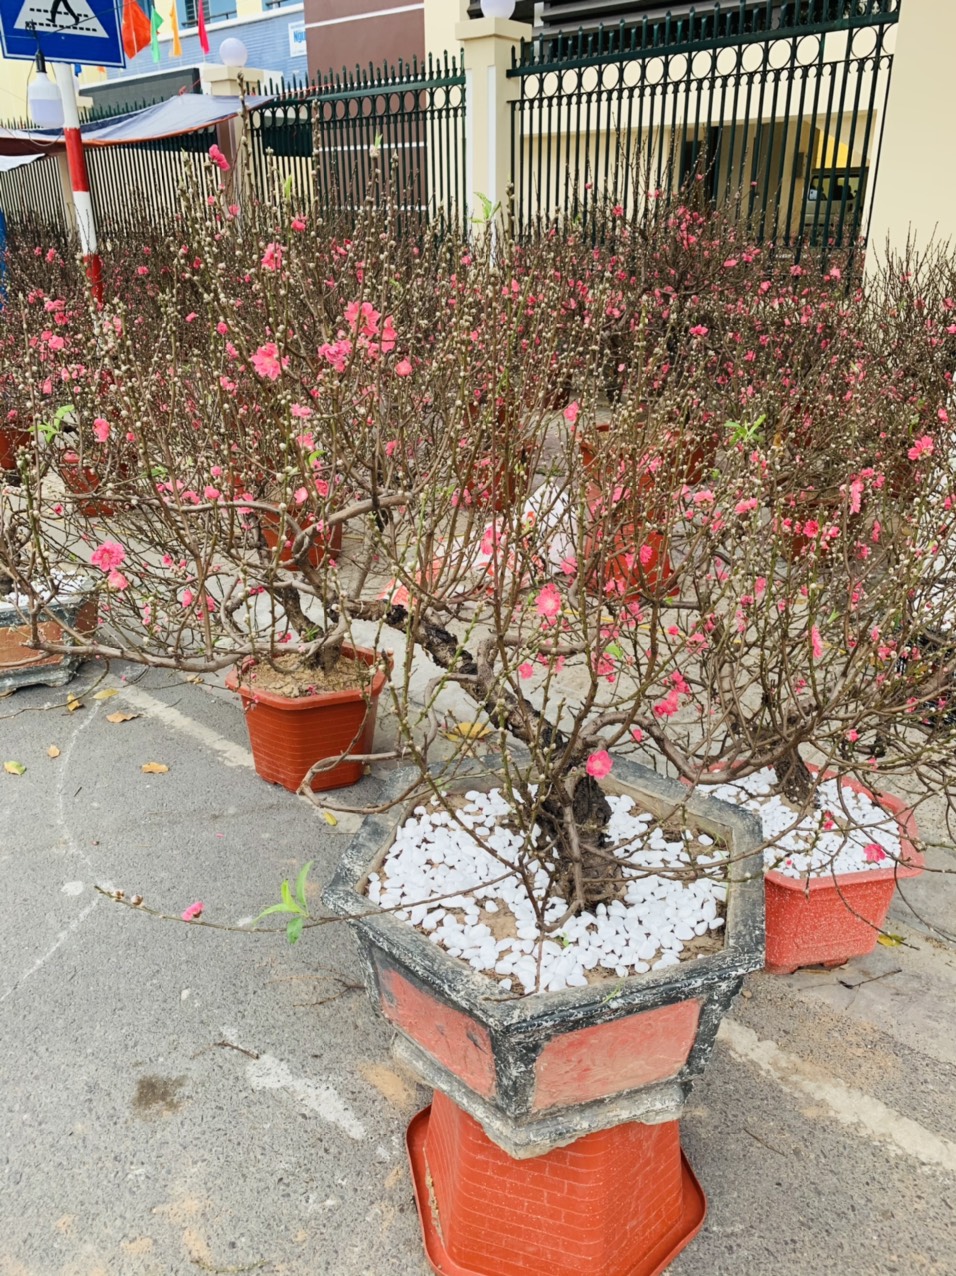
{"type": "Point", "coordinates": [915, 192]}
{"type": "Point", "coordinates": [488, 46]}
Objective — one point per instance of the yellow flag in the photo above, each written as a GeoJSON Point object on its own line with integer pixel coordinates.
{"type": "Point", "coordinates": [174, 21]}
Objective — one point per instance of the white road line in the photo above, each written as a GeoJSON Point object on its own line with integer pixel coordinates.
{"type": "Point", "coordinates": [232, 754]}
{"type": "Point", "coordinates": [269, 1073]}
{"type": "Point", "coordinates": [73, 849]}
{"type": "Point", "coordinates": [849, 1106]}
{"type": "Point", "coordinates": [60, 940]}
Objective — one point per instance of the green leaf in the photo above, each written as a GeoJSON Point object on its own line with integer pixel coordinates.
{"type": "Point", "coordinates": [488, 209]}
{"type": "Point", "coordinates": [276, 908]}
{"type": "Point", "coordinates": [287, 187]}
{"type": "Point", "coordinates": [294, 929]}
{"type": "Point", "coordinates": [616, 650]}
{"type": "Point", "coordinates": [300, 882]}
{"type": "Point", "coordinates": [287, 898]}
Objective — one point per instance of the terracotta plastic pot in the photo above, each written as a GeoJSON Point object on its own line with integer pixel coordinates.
{"type": "Point", "coordinates": [323, 542]}
{"type": "Point", "coordinates": [619, 1202]}
{"type": "Point", "coordinates": [82, 480]}
{"type": "Point", "coordinates": [626, 576]}
{"type": "Point", "coordinates": [824, 921]}
{"type": "Point", "coordinates": [693, 460]}
{"type": "Point", "coordinates": [12, 438]}
{"type": "Point", "coordinates": [499, 478]}
{"type": "Point", "coordinates": [496, 482]}
{"type": "Point", "coordinates": [288, 736]}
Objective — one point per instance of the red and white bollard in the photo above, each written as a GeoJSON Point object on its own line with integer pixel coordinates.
{"type": "Point", "coordinates": [79, 178]}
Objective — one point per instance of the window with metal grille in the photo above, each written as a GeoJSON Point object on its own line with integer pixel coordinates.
{"type": "Point", "coordinates": [213, 11]}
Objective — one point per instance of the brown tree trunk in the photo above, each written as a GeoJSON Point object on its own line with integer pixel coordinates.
{"type": "Point", "coordinates": [794, 779]}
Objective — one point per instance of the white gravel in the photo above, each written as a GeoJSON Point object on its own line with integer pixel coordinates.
{"type": "Point", "coordinates": [862, 836]}
{"type": "Point", "coordinates": [433, 856]}
{"type": "Point", "coordinates": [64, 585]}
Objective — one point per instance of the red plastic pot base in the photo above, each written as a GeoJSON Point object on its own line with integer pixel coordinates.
{"type": "Point", "coordinates": [818, 966]}
{"type": "Point", "coordinates": [695, 1210]}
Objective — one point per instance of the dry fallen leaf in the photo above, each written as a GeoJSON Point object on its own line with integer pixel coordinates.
{"type": "Point", "coordinates": [154, 768]}
{"type": "Point", "coordinates": [329, 818]}
{"type": "Point", "coordinates": [891, 941]}
{"type": "Point", "coordinates": [195, 677]}
{"type": "Point", "coordinates": [468, 731]}
{"type": "Point", "coordinates": [14, 768]}
{"type": "Point", "coordinates": [53, 751]}
{"type": "Point", "coordinates": [120, 716]}
{"type": "Point", "coordinates": [72, 704]}
{"type": "Point", "coordinates": [106, 694]}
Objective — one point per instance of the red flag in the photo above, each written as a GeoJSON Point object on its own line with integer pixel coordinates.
{"type": "Point", "coordinates": [137, 29]}
{"type": "Point", "coordinates": [201, 23]}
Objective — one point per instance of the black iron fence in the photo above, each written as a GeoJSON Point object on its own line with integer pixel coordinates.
{"type": "Point", "coordinates": [343, 140]}
{"type": "Point", "coordinates": [780, 120]}
{"type": "Point", "coordinates": [336, 142]}
{"type": "Point", "coordinates": [138, 186]}
{"type": "Point", "coordinates": [31, 199]}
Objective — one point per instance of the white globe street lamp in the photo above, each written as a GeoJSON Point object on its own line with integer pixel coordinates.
{"type": "Point", "coordinates": [497, 8]}
{"type": "Point", "coordinates": [233, 52]}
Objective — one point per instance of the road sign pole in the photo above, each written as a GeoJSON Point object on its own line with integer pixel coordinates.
{"type": "Point", "coordinates": [79, 178]}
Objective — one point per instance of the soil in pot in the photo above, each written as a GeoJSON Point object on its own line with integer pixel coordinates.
{"type": "Point", "coordinates": [660, 919]}
{"type": "Point", "coordinates": [298, 716]}
{"type": "Point", "coordinates": [830, 875]}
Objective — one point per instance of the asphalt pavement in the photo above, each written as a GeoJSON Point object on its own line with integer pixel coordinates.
{"type": "Point", "coordinates": [177, 1099]}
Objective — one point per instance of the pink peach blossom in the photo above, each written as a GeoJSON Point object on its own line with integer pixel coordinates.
{"type": "Point", "coordinates": [267, 361]}
{"type": "Point", "coordinates": [599, 764]}
{"type": "Point", "coordinates": [108, 556]}
{"type": "Point", "coordinates": [922, 447]}
{"type": "Point", "coordinates": [217, 157]}
{"type": "Point", "coordinates": [548, 602]}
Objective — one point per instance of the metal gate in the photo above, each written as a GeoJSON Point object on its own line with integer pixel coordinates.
{"type": "Point", "coordinates": [778, 120]}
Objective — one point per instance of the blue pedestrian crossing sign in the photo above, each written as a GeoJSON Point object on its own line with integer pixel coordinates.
{"type": "Point", "coordinates": [79, 31]}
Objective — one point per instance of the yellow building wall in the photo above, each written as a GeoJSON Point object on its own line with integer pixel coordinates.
{"type": "Point", "coordinates": [14, 77]}
{"type": "Point", "coordinates": [441, 18]}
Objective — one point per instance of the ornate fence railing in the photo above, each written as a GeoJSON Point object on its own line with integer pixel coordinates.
{"type": "Point", "coordinates": [139, 186]}
{"type": "Point", "coordinates": [31, 199]}
{"type": "Point", "coordinates": [341, 141]}
{"type": "Point", "coordinates": [779, 122]}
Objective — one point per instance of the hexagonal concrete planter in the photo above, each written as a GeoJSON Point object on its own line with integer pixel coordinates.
{"type": "Point", "coordinates": [22, 666]}
{"type": "Point", "coordinates": [540, 1072]}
